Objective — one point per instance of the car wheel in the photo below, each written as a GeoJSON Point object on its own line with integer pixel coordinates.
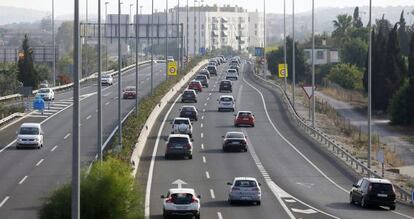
{"type": "Point", "coordinates": [191, 135]}
{"type": "Point", "coordinates": [224, 150]}
{"type": "Point", "coordinates": [258, 203]}
{"type": "Point", "coordinates": [165, 215]}
{"type": "Point", "coordinates": [230, 202]}
{"type": "Point", "coordinates": [195, 101]}
{"type": "Point", "coordinates": [39, 146]}
{"type": "Point", "coordinates": [351, 199]}
{"type": "Point", "coordinates": [166, 157]}
{"type": "Point", "coordinates": [245, 150]}
{"type": "Point", "coordinates": [17, 147]}
{"type": "Point", "coordinates": [392, 207]}
{"type": "Point", "coordinates": [190, 157]}
{"type": "Point", "coordinates": [236, 125]}
{"type": "Point", "coordinates": [197, 216]}
{"type": "Point", "coordinates": [363, 203]}
{"type": "Point", "coordinates": [252, 125]}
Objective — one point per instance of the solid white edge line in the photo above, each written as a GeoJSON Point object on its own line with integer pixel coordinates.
{"type": "Point", "coordinates": [4, 201]}
{"type": "Point", "coordinates": [219, 215]}
{"type": "Point", "coordinates": [40, 162]}
{"type": "Point", "coordinates": [22, 180]}
{"type": "Point", "coordinates": [213, 196]}
{"type": "Point", "coordinates": [151, 168]}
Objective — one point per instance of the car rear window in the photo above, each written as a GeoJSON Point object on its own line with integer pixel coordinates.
{"type": "Point", "coordinates": [232, 71]}
{"type": "Point", "coordinates": [188, 109]}
{"type": "Point", "coordinates": [188, 93]}
{"type": "Point", "coordinates": [226, 99]}
{"type": "Point", "coordinates": [195, 82]}
{"type": "Point", "coordinates": [181, 198]}
{"type": "Point", "coordinates": [244, 114]}
{"type": "Point", "coordinates": [130, 89]}
{"type": "Point", "coordinates": [225, 82]}
{"type": "Point", "coordinates": [381, 187]}
{"type": "Point", "coordinates": [178, 140]}
{"type": "Point", "coordinates": [201, 77]}
{"type": "Point", "coordinates": [245, 183]}
{"type": "Point", "coordinates": [43, 91]}
{"type": "Point", "coordinates": [235, 135]}
{"type": "Point", "coordinates": [29, 131]}
{"type": "Point", "coordinates": [181, 121]}
{"type": "Point", "coordinates": [211, 67]}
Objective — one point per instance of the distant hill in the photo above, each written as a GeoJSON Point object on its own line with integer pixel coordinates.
{"type": "Point", "coordinates": [11, 15]}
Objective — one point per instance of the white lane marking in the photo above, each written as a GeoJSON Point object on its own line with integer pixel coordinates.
{"type": "Point", "coordinates": [22, 180]}
{"type": "Point", "coordinates": [401, 214]}
{"type": "Point", "coordinates": [202, 146]}
{"type": "Point", "coordinates": [107, 103]}
{"type": "Point", "coordinates": [209, 94]}
{"type": "Point", "coordinates": [208, 98]}
{"type": "Point", "coordinates": [152, 164]}
{"type": "Point", "coordinates": [66, 136]}
{"type": "Point", "coordinates": [202, 135]}
{"type": "Point", "coordinates": [4, 201]}
{"type": "Point", "coordinates": [205, 105]}
{"type": "Point", "coordinates": [204, 159]}
{"type": "Point", "coordinates": [202, 117]}
{"type": "Point", "coordinates": [290, 200]}
{"type": "Point", "coordinates": [201, 125]}
{"type": "Point", "coordinates": [50, 110]}
{"type": "Point", "coordinates": [204, 110]}
{"type": "Point", "coordinates": [219, 215]}
{"type": "Point", "coordinates": [305, 211]}
{"type": "Point", "coordinates": [90, 116]}
{"type": "Point", "coordinates": [207, 175]}
{"type": "Point", "coordinates": [107, 94]}
{"type": "Point", "coordinates": [212, 194]}
{"type": "Point", "coordinates": [40, 161]}
{"type": "Point", "coordinates": [54, 148]}
{"type": "Point", "coordinates": [7, 146]}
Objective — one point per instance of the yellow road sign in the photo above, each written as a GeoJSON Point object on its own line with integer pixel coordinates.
{"type": "Point", "coordinates": [282, 70]}
{"type": "Point", "coordinates": [172, 68]}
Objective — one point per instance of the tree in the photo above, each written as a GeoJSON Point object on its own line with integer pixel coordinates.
{"type": "Point", "coordinates": [346, 75]}
{"type": "Point", "coordinates": [342, 24]}
{"type": "Point", "coordinates": [354, 51]}
{"type": "Point", "coordinates": [8, 79]}
{"type": "Point", "coordinates": [46, 24]}
{"type": "Point", "coordinates": [64, 37]}
{"type": "Point", "coordinates": [357, 22]}
{"type": "Point", "coordinates": [27, 72]}
{"type": "Point", "coordinates": [403, 36]}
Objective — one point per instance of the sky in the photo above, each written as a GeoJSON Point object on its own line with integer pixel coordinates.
{"type": "Point", "coordinates": [65, 7]}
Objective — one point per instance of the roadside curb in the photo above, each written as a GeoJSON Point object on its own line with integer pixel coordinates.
{"type": "Point", "coordinates": [150, 122]}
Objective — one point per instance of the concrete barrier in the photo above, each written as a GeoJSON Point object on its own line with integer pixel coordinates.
{"type": "Point", "coordinates": [10, 117]}
{"type": "Point", "coordinates": [149, 123]}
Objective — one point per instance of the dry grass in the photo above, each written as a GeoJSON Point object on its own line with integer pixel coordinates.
{"type": "Point", "coordinates": [355, 98]}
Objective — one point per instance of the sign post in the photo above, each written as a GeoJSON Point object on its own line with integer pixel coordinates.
{"type": "Point", "coordinates": [308, 92]}
{"type": "Point", "coordinates": [380, 158]}
{"type": "Point", "coordinates": [39, 104]}
{"type": "Point", "coordinates": [172, 68]}
{"type": "Point", "coordinates": [283, 71]}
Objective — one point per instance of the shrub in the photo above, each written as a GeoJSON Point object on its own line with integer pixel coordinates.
{"type": "Point", "coordinates": [346, 75]}
{"type": "Point", "coordinates": [398, 109]}
{"type": "Point", "coordinates": [108, 192]}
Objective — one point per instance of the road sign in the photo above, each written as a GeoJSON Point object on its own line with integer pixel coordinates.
{"type": "Point", "coordinates": [283, 71]}
{"type": "Point", "coordinates": [308, 91]}
{"type": "Point", "coordinates": [179, 183]}
{"type": "Point", "coordinates": [380, 156]}
{"type": "Point", "coordinates": [259, 51]}
{"type": "Point", "coordinates": [172, 68]}
{"type": "Point", "coordinates": [39, 104]}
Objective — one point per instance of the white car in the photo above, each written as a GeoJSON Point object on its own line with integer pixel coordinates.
{"type": "Point", "coordinates": [226, 102]}
{"type": "Point", "coordinates": [245, 189]}
{"type": "Point", "coordinates": [46, 94]}
{"type": "Point", "coordinates": [181, 202]}
{"type": "Point", "coordinates": [182, 126]}
{"type": "Point", "coordinates": [107, 80]}
{"type": "Point", "coordinates": [170, 58]}
{"type": "Point", "coordinates": [29, 135]}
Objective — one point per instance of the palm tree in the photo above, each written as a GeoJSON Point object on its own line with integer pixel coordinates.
{"type": "Point", "coordinates": [342, 26]}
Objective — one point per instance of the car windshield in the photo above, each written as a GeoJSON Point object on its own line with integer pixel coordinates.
{"type": "Point", "coordinates": [211, 67]}
{"type": "Point", "coordinates": [232, 71]}
{"type": "Point", "coordinates": [181, 198]}
{"type": "Point", "coordinates": [178, 140]}
{"type": "Point", "coordinates": [244, 114]}
{"type": "Point", "coordinates": [181, 121]}
{"type": "Point", "coordinates": [235, 135]}
{"type": "Point", "coordinates": [226, 99]}
{"type": "Point", "coordinates": [245, 183]}
{"type": "Point", "coordinates": [44, 91]}
{"type": "Point", "coordinates": [188, 109]}
{"type": "Point", "coordinates": [29, 131]}
{"type": "Point", "coordinates": [381, 187]}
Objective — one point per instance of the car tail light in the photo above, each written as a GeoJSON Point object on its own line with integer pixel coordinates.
{"type": "Point", "coordinates": [243, 142]}
{"type": "Point", "coordinates": [255, 189]}
{"type": "Point", "coordinates": [188, 146]}
{"type": "Point", "coordinates": [168, 145]}
{"type": "Point", "coordinates": [235, 189]}
{"type": "Point", "coordinates": [169, 200]}
{"type": "Point", "coordinates": [193, 200]}
{"type": "Point", "coordinates": [370, 187]}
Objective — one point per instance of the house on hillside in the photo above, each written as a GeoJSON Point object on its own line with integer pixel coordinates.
{"type": "Point", "coordinates": [323, 54]}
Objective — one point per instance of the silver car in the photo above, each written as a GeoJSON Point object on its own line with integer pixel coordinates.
{"type": "Point", "coordinates": [226, 102]}
{"type": "Point", "coordinates": [245, 189]}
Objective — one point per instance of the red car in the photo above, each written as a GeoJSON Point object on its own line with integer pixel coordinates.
{"type": "Point", "coordinates": [129, 92]}
{"type": "Point", "coordinates": [244, 118]}
{"type": "Point", "coordinates": [196, 85]}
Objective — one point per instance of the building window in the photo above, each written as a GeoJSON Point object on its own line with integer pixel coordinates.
{"type": "Point", "coordinates": [320, 55]}
{"type": "Point", "coordinates": [308, 54]}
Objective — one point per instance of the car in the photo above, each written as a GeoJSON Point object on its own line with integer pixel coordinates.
{"type": "Point", "coordinates": [214, 62]}
{"type": "Point", "coordinates": [195, 85]}
{"type": "Point", "coordinates": [235, 67]}
{"type": "Point", "coordinates": [181, 202]}
{"type": "Point", "coordinates": [226, 102]}
{"type": "Point", "coordinates": [129, 92]}
{"type": "Point", "coordinates": [244, 118]}
{"type": "Point", "coordinates": [373, 191]}
{"type": "Point", "coordinates": [29, 135]}
{"type": "Point", "coordinates": [46, 94]}
{"type": "Point", "coordinates": [170, 58]}
{"type": "Point", "coordinates": [44, 84]}
{"type": "Point", "coordinates": [234, 141]}
{"type": "Point", "coordinates": [189, 95]}
{"type": "Point", "coordinates": [107, 80]}
{"type": "Point", "coordinates": [212, 69]}
{"type": "Point", "coordinates": [203, 79]}
{"type": "Point", "coordinates": [232, 77]}
{"type": "Point", "coordinates": [179, 145]}
{"type": "Point", "coordinates": [205, 72]}
{"type": "Point", "coordinates": [189, 112]}
{"type": "Point", "coordinates": [245, 189]}
{"type": "Point", "coordinates": [182, 126]}
{"type": "Point", "coordinates": [225, 85]}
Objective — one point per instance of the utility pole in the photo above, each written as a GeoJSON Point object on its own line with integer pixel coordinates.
{"type": "Point", "coordinates": [369, 85]}
{"type": "Point", "coordinates": [166, 39]}
{"type": "Point", "coordinates": [188, 33]}
{"type": "Point", "coordinates": [264, 39]}
{"type": "Point", "coordinates": [119, 77]}
{"type": "Point", "coordinates": [129, 20]}
{"type": "Point", "coordinates": [313, 63]}
{"type": "Point", "coordinates": [199, 26]}
{"type": "Point", "coordinates": [178, 34]}
{"type": "Point", "coordinates": [75, 205]}
{"type": "Point", "coordinates": [293, 55]}
{"type": "Point", "coordinates": [86, 41]}
{"type": "Point", "coordinates": [284, 44]}
{"type": "Point", "coordinates": [54, 43]}
{"type": "Point", "coordinates": [136, 56]}
{"type": "Point", "coordinates": [195, 29]}
{"type": "Point", "coordinates": [106, 40]}
{"type": "Point", "coordinates": [99, 142]}
{"type": "Point", "coordinates": [152, 51]}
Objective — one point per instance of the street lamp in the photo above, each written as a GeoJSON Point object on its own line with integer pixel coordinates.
{"type": "Point", "coordinates": [369, 85]}
{"type": "Point", "coordinates": [152, 41]}
{"type": "Point", "coordinates": [284, 43]}
{"type": "Point", "coordinates": [54, 43]}
{"type": "Point", "coordinates": [264, 39]}
{"type": "Point", "coordinates": [106, 40]}
{"type": "Point", "coordinates": [119, 77]}
{"type": "Point", "coordinates": [136, 56]}
{"type": "Point", "coordinates": [99, 142]}
{"type": "Point", "coordinates": [195, 29]}
{"type": "Point", "coordinates": [313, 63]}
{"type": "Point", "coordinates": [293, 55]}
{"type": "Point", "coordinates": [187, 36]}
{"type": "Point", "coordinates": [166, 39]}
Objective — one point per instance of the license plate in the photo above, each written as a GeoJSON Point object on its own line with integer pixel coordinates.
{"type": "Point", "coordinates": [182, 207]}
{"type": "Point", "coordinates": [245, 198]}
{"type": "Point", "coordinates": [235, 142]}
{"type": "Point", "coordinates": [382, 195]}
{"type": "Point", "coordinates": [179, 147]}
{"type": "Point", "coordinates": [245, 119]}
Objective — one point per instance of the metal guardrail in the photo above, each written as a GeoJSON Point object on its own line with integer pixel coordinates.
{"type": "Point", "coordinates": [66, 86]}
{"type": "Point", "coordinates": [334, 147]}
{"type": "Point", "coordinates": [10, 117]}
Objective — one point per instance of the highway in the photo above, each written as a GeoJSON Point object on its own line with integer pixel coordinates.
{"type": "Point", "coordinates": [299, 179]}
{"type": "Point", "coordinates": [30, 174]}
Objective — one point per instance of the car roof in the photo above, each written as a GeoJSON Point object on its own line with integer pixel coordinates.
{"type": "Point", "coordinates": [234, 132]}
{"type": "Point", "coordinates": [200, 75]}
{"type": "Point", "coordinates": [128, 87]}
{"type": "Point", "coordinates": [378, 180]}
{"type": "Point", "coordinates": [244, 178]}
{"type": "Point", "coordinates": [189, 90]}
{"type": "Point", "coordinates": [181, 118]}
{"type": "Point", "coordinates": [229, 96]}
{"type": "Point", "coordinates": [195, 81]}
{"type": "Point", "coordinates": [225, 81]}
{"type": "Point", "coordinates": [178, 136]}
{"type": "Point", "coordinates": [244, 112]}
{"type": "Point", "coordinates": [30, 125]}
{"type": "Point", "coordinates": [182, 190]}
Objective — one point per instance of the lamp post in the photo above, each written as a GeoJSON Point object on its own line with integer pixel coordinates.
{"type": "Point", "coordinates": [136, 56]}
{"type": "Point", "coordinates": [106, 40]}
{"type": "Point", "coordinates": [166, 39]}
{"type": "Point", "coordinates": [187, 36]}
{"type": "Point", "coordinates": [313, 63]}
{"type": "Point", "coordinates": [152, 51]}
{"type": "Point", "coordinates": [369, 85]}
{"type": "Point", "coordinates": [284, 44]}
{"type": "Point", "coordinates": [99, 142]}
{"type": "Point", "coordinates": [264, 39]}
{"type": "Point", "coordinates": [195, 29]}
{"type": "Point", "coordinates": [86, 39]}
{"type": "Point", "coordinates": [119, 77]}
{"type": "Point", "coordinates": [54, 43]}
{"type": "Point", "coordinates": [293, 55]}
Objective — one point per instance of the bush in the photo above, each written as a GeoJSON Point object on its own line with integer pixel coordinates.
{"type": "Point", "coordinates": [399, 108]}
{"type": "Point", "coordinates": [108, 192]}
{"type": "Point", "coordinates": [346, 75]}
{"type": "Point", "coordinates": [8, 110]}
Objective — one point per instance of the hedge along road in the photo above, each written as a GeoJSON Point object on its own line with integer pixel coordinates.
{"type": "Point", "coordinates": [28, 175]}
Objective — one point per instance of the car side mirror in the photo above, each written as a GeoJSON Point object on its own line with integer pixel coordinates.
{"type": "Point", "coordinates": [162, 196]}
{"type": "Point", "coordinates": [229, 183]}
{"type": "Point", "coordinates": [192, 139]}
{"type": "Point", "coordinates": [198, 196]}
{"type": "Point", "coordinates": [222, 136]}
{"type": "Point", "coordinates": [260, 184]}
{"type": "Point", "coordinates": [355, 185]}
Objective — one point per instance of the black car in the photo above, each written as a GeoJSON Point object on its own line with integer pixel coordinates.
{"type": "Point", "coordinates": [212, 69]}
{"type": "Point", "coordinates": [225, 85]}
{"type": "Point", "coordinates": [189, 112]}
{"type": "Point", "coordinates": [189, 96]}
{"type": "Point", "coordinates": [179, 145]}
{"type": "Point", "coordinates": [373, 191]}
{"type": "Point", "coordinates": [203, 79]}
{"type": "Point", "coordinates": [234, 141]}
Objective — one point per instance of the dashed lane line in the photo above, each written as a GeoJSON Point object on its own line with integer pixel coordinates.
{"type": "Point", "coordinates": [66, 136]}
{"type": "Point", "coordinates": [201, 125]}
{"type": "Point", "coordinates": [22, 180]}
{"type": "Point", "coordinates": [40, 162]}
{"type": "Point", "coordinates": [4, 201]}
{"type": "Point", "coordinates": [202, 135]}
{"type": "Point", "coordinates": [204, 160]}
{"type": "Point", "coordinates": [202, 146]}
{"type": "Point", "coordinates": [207, 175]}
{"type": "Point", "coordinates": [54, 148]}
{"type": "Point", "coordinates": [90, 116]}
{"type": "Point", "coordinates": [219, 215]}
{"type": "Point", "coordinates": [213, 196]}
